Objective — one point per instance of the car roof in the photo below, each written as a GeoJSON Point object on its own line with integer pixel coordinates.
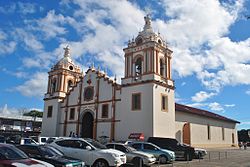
{"type": "Point", "coordinates": [6, 145]}
{"type": "Point", "coordinates": [116, 143]}
{"type": "Point", "coordinates": [29, 145]}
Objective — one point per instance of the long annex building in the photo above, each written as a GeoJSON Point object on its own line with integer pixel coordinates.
{"type": "Point", "coordinates": [93, 105]}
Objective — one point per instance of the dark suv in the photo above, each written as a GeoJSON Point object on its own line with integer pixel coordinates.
{"type": "Point", "coordinates": [182, 152]}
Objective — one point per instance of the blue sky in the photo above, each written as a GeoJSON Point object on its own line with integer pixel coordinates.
{"type": "Point", "coordinates": [210, 40]}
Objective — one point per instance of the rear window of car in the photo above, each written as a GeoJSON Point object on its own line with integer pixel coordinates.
{"type": "Point", "coordinates": [110, 145]}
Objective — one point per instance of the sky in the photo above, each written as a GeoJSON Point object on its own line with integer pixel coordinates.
{"type": "Point", "coordinates": [210, 41]}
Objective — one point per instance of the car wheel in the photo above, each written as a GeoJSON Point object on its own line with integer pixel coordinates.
{"type": "Point", "coordinates": [101, 163]}
{"type": "Point", "coordinates": [188, 157]}
{"type": "Point", "coordinates": [137, 161]}
{"type": "Point", "coordinates": [199, 155]}
{"type": "Point", "coordinates": [163, 159]}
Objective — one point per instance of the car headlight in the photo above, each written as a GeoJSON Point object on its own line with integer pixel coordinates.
{"type": "Point", "coordinates": [115, 155]}
{"type": "Point", "coordinates": [68, 165]}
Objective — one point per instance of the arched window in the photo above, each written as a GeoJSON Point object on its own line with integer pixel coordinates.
{"type": "Point", "coordinates": [138, 67]}
{"type": "Point", "coordinates": [138, 41]}
{"type": "Point", "coordinates": [70, 84]}
{"type": "Point", "coordinates": [161, 67]}
{"type": "Point", "coordinates": [53, 86]}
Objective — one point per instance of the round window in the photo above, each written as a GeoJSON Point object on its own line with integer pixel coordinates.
{"type": "Point", "coordinates": [71, 67]}
{"type": "Point", "coordinates": [88, 93]}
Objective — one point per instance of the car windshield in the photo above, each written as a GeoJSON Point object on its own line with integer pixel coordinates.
{"type": "Point", "coordinates": [96, 144]}
{"type": "Point", "coordinates": [12, 153]}
{"type": "Point", "coordinates": [50, 151]}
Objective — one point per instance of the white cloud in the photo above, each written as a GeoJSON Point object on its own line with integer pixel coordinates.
{"type": "Point", "coordinates": [35, 86]}
{"type": "Point", "coordinates": [229, 105]}
{"type": "Point", "coordinates": [29, 39]}
{"type": "Point", "coordinates": [245, 123]}
{"type": "Point", "coordinates": [19, 7]}
{"type": "Point", "coordinates": [183, 83]}
{"type": "Point", "coordinates": [26, 8]}
{"type": "Point", "coordinates": [216, 107]}
{"type": "Point", "coordinates": [52, 24]}
{"type": "Point", "coordinates": [197, 36]}
{"type": "Point", "coordinates": [202, 96]}
{"type": "Point", "coordinates": [248, 92]}
{"type": "Point", "coordinates": [106, 28]}
{"type": "Point", "coordinates": [6, 46]}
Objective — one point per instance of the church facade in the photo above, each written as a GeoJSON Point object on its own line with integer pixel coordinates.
{"type": "Point", "coordinates": [93, 105]}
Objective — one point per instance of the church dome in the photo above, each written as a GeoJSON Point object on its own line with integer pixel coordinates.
{"type": "Point", "coordinates": [66, 62]}
{"type": "Point", "coordinates": [147, 35]}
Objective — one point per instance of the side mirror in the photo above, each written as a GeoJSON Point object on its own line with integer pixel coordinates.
{"type": "Point", "coordinates": [88, 148]}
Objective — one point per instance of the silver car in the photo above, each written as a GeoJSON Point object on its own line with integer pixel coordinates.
{"type": "Point", "coordinates": [133, 156]}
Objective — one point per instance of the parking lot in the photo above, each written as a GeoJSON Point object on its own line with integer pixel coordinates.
{"type": "Point", "coordinates": [218, 158]}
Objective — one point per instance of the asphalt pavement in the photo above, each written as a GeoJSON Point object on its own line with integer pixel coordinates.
{"type": "Point", "coordinates": [232, 157]}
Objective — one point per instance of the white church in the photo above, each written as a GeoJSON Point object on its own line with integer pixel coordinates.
{"type": "Point", "coordinates": [93, 105]}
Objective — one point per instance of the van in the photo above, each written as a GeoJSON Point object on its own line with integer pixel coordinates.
{"type": "Point", "coordinates": [182, 152]}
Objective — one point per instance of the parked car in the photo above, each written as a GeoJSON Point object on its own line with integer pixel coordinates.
{"type": "Point", "coordinates": [39, 139]}
{"type": "Point", "coordinates": [13, 139]}
{"type": "Point", "coordinates": [132, 154]}
{"type": "Point", "coordinates": [50, 154]}
{"type": "Point", "coordinates": [162, 155]}
{"type": "Point", "coordinates": [182, 152]}
{"type": "Point", "coordinates": [199, 153]}
{"type": "Point", "coordinates": [10, 156]}
{"type": "Point", "coordinates": [90, 151]}
{"type": "Point", "coordinates": [28, 141]}
{"type": "Point", "coordinates": [51, 139]}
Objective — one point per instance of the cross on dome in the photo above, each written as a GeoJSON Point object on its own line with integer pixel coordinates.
{"type": "Point", "coordinates": [147, 22]}
{"type": "Point", "coordinates": [66, 51]}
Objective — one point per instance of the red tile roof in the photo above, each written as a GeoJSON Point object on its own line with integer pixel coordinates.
{"type": "Point", "coordinates": [183, 108]}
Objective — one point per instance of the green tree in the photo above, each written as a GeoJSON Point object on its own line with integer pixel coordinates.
{"type": "Point", "coordinates": [34, 113]}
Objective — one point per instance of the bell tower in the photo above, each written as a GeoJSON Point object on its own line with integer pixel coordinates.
{"type": "Point", "coordinates": [147, 57]}
{"type": "Point", "coordinates": [62, 77]}
{"type": "Point", "coordinates": [147, 87]}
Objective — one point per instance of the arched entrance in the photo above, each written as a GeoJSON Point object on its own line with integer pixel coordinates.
{"type": "Point", "coordinates": [87, 125]}
{"type": "Point", "coordinates": [186, 133]}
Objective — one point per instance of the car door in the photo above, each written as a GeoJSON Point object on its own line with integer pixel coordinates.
{"type": "Point", "coordinates": [81, 152]}
{"type": "Point", "coordinates": [150, 149]}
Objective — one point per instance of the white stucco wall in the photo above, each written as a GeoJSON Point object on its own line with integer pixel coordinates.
{"type": "Point", "coordinates": [164, 121]}
{"type": "Point", "coordinates": [139, 121]}
{"type": "Point", "coordinates": [199, 132]}
{"type": "Point", "coordinates": [50, 125]}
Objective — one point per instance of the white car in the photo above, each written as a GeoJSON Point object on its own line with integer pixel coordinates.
{"type": "Point", "coordinates": [90, 151]}
{"type": "Point", "coordinates": [39, 139]}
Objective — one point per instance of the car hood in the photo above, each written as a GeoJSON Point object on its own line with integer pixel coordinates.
{"type": "Point", "coordinates": [112, 151]}
{"type": "Point", "coordinates": [30, 163]}
{"type": "Point", "coordinates": [143, 154]}
{"type": "Point", "coordinates": [63, 159]}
